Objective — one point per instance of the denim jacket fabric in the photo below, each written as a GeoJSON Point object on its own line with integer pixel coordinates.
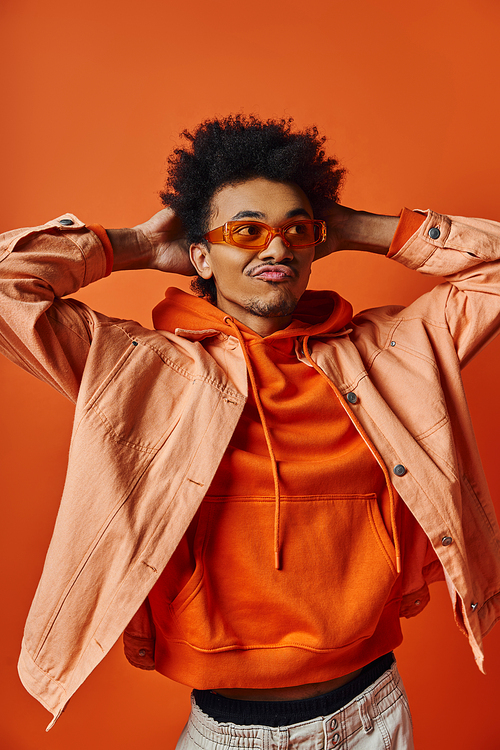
{"type": "Point", "coordinates": [155, 411]}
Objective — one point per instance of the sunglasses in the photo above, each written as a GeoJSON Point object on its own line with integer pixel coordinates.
{"type": "Point", "coordinates": [254, 235]}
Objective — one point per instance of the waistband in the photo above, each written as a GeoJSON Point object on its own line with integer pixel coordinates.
{"type": "Point", "coordinates": [285, 713]}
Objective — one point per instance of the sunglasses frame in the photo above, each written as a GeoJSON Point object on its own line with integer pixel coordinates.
{"type": "Point", "coordinates": [225, 233]}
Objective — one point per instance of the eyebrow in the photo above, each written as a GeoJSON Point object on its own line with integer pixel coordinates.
{"type": "Point", "coordinates": [297, 212]}
{"type": "Point", "coordinates": [259, 215]}
{"type": "Point", "coordinates": [248, 215]}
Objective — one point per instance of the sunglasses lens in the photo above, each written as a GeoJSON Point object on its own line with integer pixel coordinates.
{"type": "Point", "coordinates": [254, 234]}
{"type": "Point", "coordinates": [248, 235]}
{"type": "Point", "coordinates": [302, 233]}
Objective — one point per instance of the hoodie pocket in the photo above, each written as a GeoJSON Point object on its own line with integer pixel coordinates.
{"type": "Point", "coordinates": [337, 574]}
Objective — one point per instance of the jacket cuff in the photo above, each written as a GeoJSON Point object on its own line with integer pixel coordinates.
{"type": "Point", "coordinates": [446, 245]}
{"type": "Point", "coordinates": [418, 251]}
{"type": "Point", "coordinates": [88, 248]}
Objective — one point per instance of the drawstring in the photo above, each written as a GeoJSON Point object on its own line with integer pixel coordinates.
{"type": "Point", "coordinates": [274, 463]}
{"type": "Point", "coordinates": [357, 424]}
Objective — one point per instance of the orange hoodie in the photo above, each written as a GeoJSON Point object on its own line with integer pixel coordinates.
{"type": "Point", "coordinates": [287, 574]}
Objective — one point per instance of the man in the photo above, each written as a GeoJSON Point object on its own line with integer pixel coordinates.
{"type": "Point", "coordinates": [259, 488]}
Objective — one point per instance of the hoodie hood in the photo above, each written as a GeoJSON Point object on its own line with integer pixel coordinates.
{"type": "Point", "coordinates": [318, 313]}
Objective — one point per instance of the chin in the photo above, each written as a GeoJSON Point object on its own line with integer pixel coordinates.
{"type": "Point", "coordinates": [279, 307]}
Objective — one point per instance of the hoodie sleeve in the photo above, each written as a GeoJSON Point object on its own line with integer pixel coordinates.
{"type": "Point", "coordinates": [409, 223]}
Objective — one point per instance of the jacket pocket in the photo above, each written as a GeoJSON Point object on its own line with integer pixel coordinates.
{"type": "Point", "coordinates": [409, 382]}
{"type": "Point", "coordinates": [140, 400]}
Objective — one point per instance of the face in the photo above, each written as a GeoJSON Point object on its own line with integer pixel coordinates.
{"type": "Point", "coordinates": [260, 288]}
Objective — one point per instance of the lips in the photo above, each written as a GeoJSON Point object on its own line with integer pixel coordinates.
{"type": "Point", "coordinates": [269, 272]}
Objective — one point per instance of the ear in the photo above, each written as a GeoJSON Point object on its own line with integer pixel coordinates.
{"type": "Point", "coordinates": [200, 258]}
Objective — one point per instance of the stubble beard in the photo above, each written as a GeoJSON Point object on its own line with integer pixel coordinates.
{"type": "Point", "coordinates": [278, 308]}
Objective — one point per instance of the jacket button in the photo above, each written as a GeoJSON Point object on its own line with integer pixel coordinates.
{"type": "Point", "coordinates": [446, 541]}
{"type": "Point", "coordinates": [66, 222]}
{"type": "Point", "coordinates": [352, 398]}
{"type": "Point", "coordinates": [399, 470]}
{"type": "Point", "coordinates": [473, 606]}
{"type": "Point", "coordinates": [142, 652]}
{"type": "Point", "coordinates": [434, 233]}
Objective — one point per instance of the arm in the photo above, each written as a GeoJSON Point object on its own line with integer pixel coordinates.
{"type": "Point", "coordinates": [45, 335]}
{"type": "Point", "coordinates": [357, 230]}
{"type": "Point", "coordinates": [50, 336]}
{"type": "Point", "coordinates": [466, 252]}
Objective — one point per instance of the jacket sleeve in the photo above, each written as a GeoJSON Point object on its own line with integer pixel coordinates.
{"type": "Point", "coordinates": [466, 252]}
{"type": "Point", "coordinates": [43, 333]}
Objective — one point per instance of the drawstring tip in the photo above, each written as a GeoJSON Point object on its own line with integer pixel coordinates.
{"type": "Point", "coordinates": [277, 563]}
{"type": "Point", "coordinates": [398, 564]}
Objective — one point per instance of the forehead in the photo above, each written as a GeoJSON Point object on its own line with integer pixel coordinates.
{"type": "Point", "coordinates": [269, 201]}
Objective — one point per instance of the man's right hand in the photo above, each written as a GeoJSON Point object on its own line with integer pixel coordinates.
{"type": "Point", "coordinates": [157, 243]}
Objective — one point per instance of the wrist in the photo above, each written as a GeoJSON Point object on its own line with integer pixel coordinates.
{"type": "Point", "coordinates": [362, 230]}
{"type": "Point", "coordinates": [131, 249]}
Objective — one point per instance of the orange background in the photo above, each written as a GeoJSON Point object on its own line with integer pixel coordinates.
{"type": "Point", "coordinates": [94, 95]}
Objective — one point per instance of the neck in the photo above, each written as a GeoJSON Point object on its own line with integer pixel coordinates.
{"type": "Point", "coordinates": [258, 316]}
{"type": "Point", "coordinates": [261, 325]}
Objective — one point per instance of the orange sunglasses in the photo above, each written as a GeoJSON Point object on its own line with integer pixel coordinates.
{"type": "Point", "coordinates": [254, 235]}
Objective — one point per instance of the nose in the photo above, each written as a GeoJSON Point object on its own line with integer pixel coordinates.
{"type": "Point", "coordinates": [276, 251]}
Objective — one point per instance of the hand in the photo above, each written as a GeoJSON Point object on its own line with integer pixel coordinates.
{"type": "Point", "coordinates": [337, 219]}
{"type": "Point", "coordinates": [156, 243]}
{"type": "Point", "coordinates": [169, 248]}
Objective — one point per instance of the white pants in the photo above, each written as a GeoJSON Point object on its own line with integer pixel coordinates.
{"type": "Point", "coordinates": [377, 719]}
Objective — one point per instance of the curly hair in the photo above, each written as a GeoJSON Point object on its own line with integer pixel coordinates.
{"type": "Point", "coordinates": [231, 150]}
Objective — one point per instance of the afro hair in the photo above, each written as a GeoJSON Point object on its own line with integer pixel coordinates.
{"type": "Point", "coordinates": [231, 150]}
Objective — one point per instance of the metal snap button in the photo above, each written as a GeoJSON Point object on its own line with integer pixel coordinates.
{"type": "Point", "coordinates": [66, 222]}
{"type": "Point", "coordinates": [399, 470]}
{"type": "Point", "coordinates": [446, 541]}
{"type": "Point", "coordinates": [335, 739]}
{"type": "Point", "coordinates": [434, 233]}
{"type": "Point", "coordinates": [473, 606]}
{"type": "Point", "coordinates": [142, 652]}
{"type": "Point", "coordinates": [352, 398]}
{"type": "Point", "coordinates": [393, 343]}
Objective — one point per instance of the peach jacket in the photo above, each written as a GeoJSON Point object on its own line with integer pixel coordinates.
{"type": "Point", "coordinates": [155, 411]}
